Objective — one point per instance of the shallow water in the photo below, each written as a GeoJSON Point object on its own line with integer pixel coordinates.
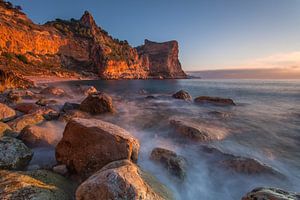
{"type": "Point", "coordinates": [264, 125]}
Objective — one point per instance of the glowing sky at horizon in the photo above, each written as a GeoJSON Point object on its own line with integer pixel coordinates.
{"type": "Point", "coordinates": [212, 34]}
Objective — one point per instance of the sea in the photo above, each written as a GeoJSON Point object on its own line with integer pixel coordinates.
{"type": "Point", "coordinates": [264, 125]}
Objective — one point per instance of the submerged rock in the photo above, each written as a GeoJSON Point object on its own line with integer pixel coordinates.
{"type": "Point", "coordinates": [89, 144]}
{"type": "Point", "coordinates": [182, 95]}
{"type": "Point", "coordinates": [215, 101]}
{"type": "Point", "coordinates": [35, 136]}
{"type": "Point", "coordinates": [6, 113]}
{"type": "Point", "coordinates": [174, 163]}
{"type": "Point", "coordinates": [119, 180]}
{"type": "Point", "coordinates": [197, 131]}
{"type": "Point", "coordinates": [97, 104]}
{"type": "Point", "coordinates": [26, 107]}
{"type": "Point", "coordinates": [25, 120]}
{"type": "Point", "coordinates": [14, 154]}
{"type": "Point", "coordinates": [53, 91]}
{"type": "Point", "coordinates": [35, 185]}
{"type": "Point", "coordinates": [262, 193]}
{"type": "Point", "coordinates": [46, 102]}
{"type": "Point", "coordinates": [70, 106]}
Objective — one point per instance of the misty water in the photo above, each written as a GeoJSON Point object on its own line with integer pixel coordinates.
{"type": "Point", "coordinates": [264, 125]}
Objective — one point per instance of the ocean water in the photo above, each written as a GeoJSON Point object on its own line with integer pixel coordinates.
{"type": "Point", "coordinates": [264, 125]}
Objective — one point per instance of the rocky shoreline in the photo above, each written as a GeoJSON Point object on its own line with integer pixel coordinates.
{"type": "Point", "coordinates": [97, 159]}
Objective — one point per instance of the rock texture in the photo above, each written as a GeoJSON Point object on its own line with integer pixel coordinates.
{"type": "Point", "coordinates": [69, 47]}
{"type": "Point", "coordinates": [14, 154]}
{"type": "Point", "coordinates": [25, 120]}
{"type": "Point", "coordinates": [181, 94]}
{"type": "Point", "coordinates": [97, 103]}
{"type": "Point", "coordinates": [4, 129]}
{"type": "Point", "coordinates": [271, 194]}
{"type": "Point", "coordinates": [89, 144]}
{"type": "Point", "coordinates": [161, 59]}
{"type": "Point", "coordinates": [215, 101]}
{"type": "Point", "coordinates": [34, 185]}
{"type": "Point", "coordinates": [6, 112]}
{"type": "Point", "coordinates": [118, 180]}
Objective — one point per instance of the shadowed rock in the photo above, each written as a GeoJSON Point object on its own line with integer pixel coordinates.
{"type": "Point", "coordinates": [4, 129]}
{"type": "Point", "coordinates": [97, 104]}
{"type": "Point", "coordinates": [214, 100]}
{"type": "Point", "coordinates": [70, 106]}
{"type": "Point", "coordinates": [262, 193]}
{"type": "Point", "coordinates": [26, 107]}
{"type": "Point", "coordinates": [89, 144]}
{"type": "Point", "coordinates": [182, 95]}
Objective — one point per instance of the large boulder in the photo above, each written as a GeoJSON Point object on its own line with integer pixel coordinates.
{"type": "Point", "coordinates": [4, 129]}
{"type": "Point", "coordinates": [262, 193]}
{"type": "Point", "coordinates": [174, 163]}
{"type": "Point", "coordinates": [26, 107]}
{"type": "Point", "coordinates": [53, 91]}
{"type": "Point", "coordinates": [89, 144]}
{"type": "Point", "coordinates": [198, 132]}
{"type": "Point", "coordinates": [182, 95]}
{"type": "Point", "coordinates": [35, 136]}
{"type": "Point", "coordinates": [25, 120]}
{"type": "Point", "coordinates": [215, 101]}
{"type": "Point", "coordinates": [119, 180]}
{"type": "Point", "coordinates": [14, 154]}
{"type": "Point", "coordinates": [35, 185]}
{"type": "Point", "coordinates": [97, 103]}
{"type": "Point", "coordinates": [6, 113]}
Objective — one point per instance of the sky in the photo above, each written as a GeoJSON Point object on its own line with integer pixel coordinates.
{"type": "Point", "coordinates": [212, 34]}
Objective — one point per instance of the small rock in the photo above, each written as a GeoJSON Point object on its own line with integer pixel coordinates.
{"type": "Point", "coordinates": [89, 144]}
{"type": "Point", "coordinates": [46, 102]}
{"type": "Point", "coordinates": [26, 107]}
{"type": "Point", "coordinates": [6, 113]}
{"type": "Point", "coordinates": [60, 169]}
{"type": "Point", "coordinates": [97, 104]}
{"type": "Point", "coordinates": [150, 97]}
{"type": "Point", "coordinates": [118, 180]}
{"type": "Point", "coordinates": [69, 115]}
{"type": "Point", "coordinates": [215, 101]}
{"type": "Point", "coordinates": [174, 163]}
{"type": "Point", "coordinates": [70, 106]}
{"type": "Point", "coordinates": [25, 120]}
{"type": "Point", "coordinates": [14, 97]}
{"type": "Point", "coordinates": [262, 193]}
{"type": "Point", "coordinates": [87, 90]}
{"type": "Point", "coordinates": [53, 91]}
{"type": "Point", "coordinates": [14, 154]}
{"type": "Point", "coordinates": [182, 95]}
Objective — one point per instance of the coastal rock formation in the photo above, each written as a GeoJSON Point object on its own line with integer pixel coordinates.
{"type": "Point", "coordinates": [34, 185]}
{"type": "Point", "coordinates": [118, 180]}
{"type": "Point", "coordinates": [161, 59]}
{"type": "Point", "coordinates": [215, 101]}
{"type": "Point", "coordinates": [174, 163]}
{"type": "Point", "coordinates": [89, 144]}
{"type": "Point", "coordinates": [182, 95]}
{"type": "Point", "coordinates": [271, 194]}
{"type": "Point", "coordinates": [6, 113]}
{"type": "Point", "coordinates": [14, 154]}
{"type": "Point", "coordinates": [29, 119]}
{"type": "Point", "coordinates": [97, 103]}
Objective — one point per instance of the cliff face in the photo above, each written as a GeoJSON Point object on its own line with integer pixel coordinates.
{"type": "Point", "coordinates": [161, 59]}
{"type": "Point", "coordinates": [64, 47]}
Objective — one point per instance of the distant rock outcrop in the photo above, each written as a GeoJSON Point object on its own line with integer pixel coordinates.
{"type": "Point", "coordinates": [161, 59]}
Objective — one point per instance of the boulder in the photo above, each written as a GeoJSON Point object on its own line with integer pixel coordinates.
{"type": "Point", "coordinates": [174, 163]}
{"type": "Point", "coordinates": [182, 95]}
{"type": "Point", "coordinates": [35, 136]}
{"type": "Point", "coordinates": [35, 185]}
{"type": "Point", "coordinates": [69, 115]}
{"type": "Point", "coordinates": [25, 120]}
{"type": "Point", "coordinates": [53, 91]}
{"type": "Point", "coordinates": [4, 129]}
{"type": "Point", "coordinates": [14, 154]}
{"type": "Point", "coordinates": [89, 144]}
{"type": "Point", "coordinates": [26, 107]}
{"type": "Point", "coordinates": [70, 106]}
{"type": "Point", "coordinates": [119, 180]}
{"type": "Point", "coordinates": [214, 100]}
{"type": "Point", "coordinates": [262, 193]}
{"type": "Point", "coordinates": [6, 113]}
{"type": "Point", "coordinates": [198, 132]}
{"type": "Point", "coordinates": [97, 103]}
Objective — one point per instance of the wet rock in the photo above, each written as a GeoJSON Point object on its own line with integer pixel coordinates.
{"type": "Point", "coordinates": [35, 136]}
{"type": "Point", "coordinates": [182, 95]}
{"type": "Point", "coordinates": [69, 115]}
{"type": "Point", "coordinates": [14, 154]}
{"type": "Point", "coordinates": [262, 193]}
{"type": "Point", "coordinates": [53, 91]}
{"type": "Point", "coordinates": [87, 90]}
{"type": "Point", "coordinates": [97, 104]}
{"type": "Point", "coordinates": [198, 132]}
{"type": "Point", "coordinates": [25, 120]}
{"type": "Point", "coordinates": [174, 163]}
{"type": "Point", "coordinates": [70, 106]}
{"type": "Point", "coordinates": [4, 129]}
{"type": "Point", "coordinates": [35, 185]}
{"type": "Point", "coordinates": [219, 114]}
{"type": "Point", "coordinates": [215, 101]}
{"type": "Point", "coordinates": [46, 102]}
{"type": "Point", "coordinates": [60, 169]}
{"type": "Point", "coordinates": [6, 113]}
{"type": "Point", "coordinates": [118, 180]}
{"type": "Point", "coordinates": [150, 97]}
{"type": "Point", "coordinates": [26, 107]}
{"type": "Point", "coordinates": [89, 144]}
{"type": "Point", "coordinates": [14, 97]}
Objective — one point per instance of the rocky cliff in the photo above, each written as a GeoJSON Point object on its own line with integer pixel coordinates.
{"type": "Point", "coordinates": [66, 47]}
